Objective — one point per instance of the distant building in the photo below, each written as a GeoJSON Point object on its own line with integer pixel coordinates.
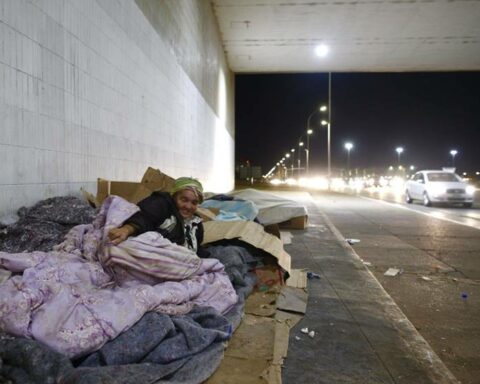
{"type": "Point", "coordinates": [248, 172]}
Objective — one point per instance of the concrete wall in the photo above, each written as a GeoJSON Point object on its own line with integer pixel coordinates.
{"type": "Point", "coordinates": [105, 88]}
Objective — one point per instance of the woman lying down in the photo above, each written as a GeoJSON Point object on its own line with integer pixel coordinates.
{"type": "Point", "coordinates": [171, 214]}
{"type": "Point", "coordinates": [106, 275]}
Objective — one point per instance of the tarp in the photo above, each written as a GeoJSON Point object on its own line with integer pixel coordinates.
{"type": "Point", "coordinates": [272, 209]}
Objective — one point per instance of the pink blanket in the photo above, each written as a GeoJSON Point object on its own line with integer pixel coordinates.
{"type": "Point", "coordinates": [86, 292]}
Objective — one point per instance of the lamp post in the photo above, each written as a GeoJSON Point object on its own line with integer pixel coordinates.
{"type": "Point", "coordinates": [287, 156]}
{"type": "Point", "coordinates": [300, 144]}
{"type": "Point", "coordinates": [399, 151]}
{"type": "Point", "coordinates": [453, 153]}
{"type": "Point", "coordinates": [293, 160]}
{"type": "Point", "coordinates": [307, 151]}
{"type": "Point", "coordinates": [348, 147]}
{"type": "Point", "coordinates": [328, 127]}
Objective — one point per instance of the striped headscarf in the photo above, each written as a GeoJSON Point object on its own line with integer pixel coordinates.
{"type": "Point", "coordinates": [188, 183]}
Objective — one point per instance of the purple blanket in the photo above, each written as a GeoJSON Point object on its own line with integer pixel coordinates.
{"type": "Point", "coordinates": [87, 291]}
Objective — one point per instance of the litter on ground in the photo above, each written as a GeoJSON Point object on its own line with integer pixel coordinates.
{"type": "Point", "coordinates": [392, 272]}
{"type": "Point", "coordinates": [352, 241]}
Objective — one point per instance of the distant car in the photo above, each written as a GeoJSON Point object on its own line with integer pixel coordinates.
{"type": "Point", "coordinates": [439, 187]}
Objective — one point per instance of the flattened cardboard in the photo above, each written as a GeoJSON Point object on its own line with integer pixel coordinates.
{"type": "Point", "coordinates": [297, 279]}
{"type": "Point", "coordinates": [299, 222]}
{"type": "Point", "coordinates": [161, 180]}
{"type": "Point", "coordinates": [153, 180]}
{"type": "Point", "coordinates": [292, 300]}
{"type": "Point", "coordinates": [251, 233]}
{"type": "Point", "coordinates": [256, 352]}
{"type": "Point", "coordinates": [123, 189]}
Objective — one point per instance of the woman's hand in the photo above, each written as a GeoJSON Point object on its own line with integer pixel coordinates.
{"type": "Point", "coordinates": [117, 235]}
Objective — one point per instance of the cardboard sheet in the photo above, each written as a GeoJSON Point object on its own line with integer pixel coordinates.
{"type": "Point", "coordinates": [249, 232]}
{"type": "Point", "coordinates": [257, 350]}
{"type": "Point", "coordinates": [152, 180]}
{"type": "Point", "coordinates": [292, 300]}
{"type": "Point", "coordinates": [297, 279]}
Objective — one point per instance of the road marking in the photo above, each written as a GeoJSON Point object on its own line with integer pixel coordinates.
{"type": "Point", "coordinates": [435, 214]}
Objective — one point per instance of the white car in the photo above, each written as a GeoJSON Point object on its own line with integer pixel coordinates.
{"type": "Point", "coordinates": [439, 187]}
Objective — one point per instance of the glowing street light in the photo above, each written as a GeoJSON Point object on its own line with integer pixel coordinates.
{"type": "Point", "coordinates": [348, 147]}
{"type": "Point", "coordinates": [323, 108]}
{"type": "Point", "coordinates": [322, 50]}
{"type": "Point", "coordinates": [453, 153]}
{"type": "Point", "coordinates": [399, 151]}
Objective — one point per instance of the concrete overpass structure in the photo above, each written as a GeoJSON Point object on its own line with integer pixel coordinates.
{"type": "Point", "coordinates": [363, 35]}
{"type": "Point", "coordinates": [105, 88]}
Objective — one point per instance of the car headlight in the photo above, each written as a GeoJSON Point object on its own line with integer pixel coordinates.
{"type": "Point", "coordinates": [470, 189]}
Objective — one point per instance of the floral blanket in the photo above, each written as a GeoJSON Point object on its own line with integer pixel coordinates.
{"type": "Point", "coordinates": [87, 291]}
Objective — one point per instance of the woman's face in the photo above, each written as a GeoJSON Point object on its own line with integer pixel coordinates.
{"type": "Point", "coordinates": [186, 202]}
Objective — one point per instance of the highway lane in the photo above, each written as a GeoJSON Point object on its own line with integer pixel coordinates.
{"type": "Point", "coordinates": [456, 214]}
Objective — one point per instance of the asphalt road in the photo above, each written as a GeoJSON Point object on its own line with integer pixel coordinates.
{"type": "Point", "coordinates": [437, 250]}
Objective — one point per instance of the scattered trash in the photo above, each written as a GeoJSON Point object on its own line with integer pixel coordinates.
{"type": "Point", "coordinates": [304, 330]}
{"type": "Point", "coordinates": [332, 324]}
{"type": "Point", "coordinates": [426, 278]}
{"type": "Point", "coordinates": [392, 272]}
{"type": "Point", "coordinates": [464, 296]}
{"type": "Point", "coordinates": [352, 241]}
{"type": "Point", "coordinates": [297, 338]}
{"type": "Point", "coordinates": [311, 334]}
{"type": "Point", "coordinates": [367, 263]}
{"type": "Point", "coordinates": [312, 275]}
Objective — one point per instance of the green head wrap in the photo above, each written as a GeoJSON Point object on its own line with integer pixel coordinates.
{"type": "Point", "coordinates": [188, 183]}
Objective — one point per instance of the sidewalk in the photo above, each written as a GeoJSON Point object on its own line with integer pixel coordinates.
{"type": "Point", "coordinates": [361, 336]}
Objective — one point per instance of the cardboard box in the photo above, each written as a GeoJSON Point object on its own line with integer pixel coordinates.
{"type": "Point", "coordinates": [273, 229]}
{"type": "Point", "coordinates": [299, 222]}
{"type": "Point", "coordinates": [249, 232]}
{"type": "Point", "coordinates": [153, 180]}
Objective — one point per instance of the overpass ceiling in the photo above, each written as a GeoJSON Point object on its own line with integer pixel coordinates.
{"type": "Point", "coordinates": [363, 35]}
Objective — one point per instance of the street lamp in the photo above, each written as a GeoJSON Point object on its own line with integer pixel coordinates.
{"type": "Point", "coordinates": [293, 159]}
{"type": "Point", "coordinates": [399, 153]}
{"type": "Point", "coordinates": [300, 144]}
{"type": "Point", "coordinates": [307, 151]}
{"type": "Point", "coordinates": [453, 152]}
{"type": "Point", "coordinates": [348, 147]}
{"type": "Point", "coordinates": [287, 156]}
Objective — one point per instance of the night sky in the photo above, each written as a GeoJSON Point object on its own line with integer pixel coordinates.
{"type": "Point", "coordinates": [426, 113]}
